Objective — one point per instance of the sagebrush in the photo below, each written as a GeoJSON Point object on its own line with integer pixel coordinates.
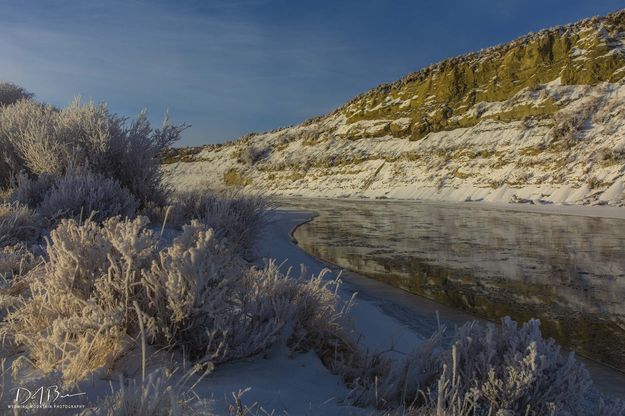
{"type": "Point", "coordinates": [101, 283]}
{"type": "Point", "coordinates": [11, 93]}
{"type": "Point", "coordinates": [81, 193]}
{"type": "Point", "coordinates": [38, 139]}
{"type": "Point", "coordinates": [485, 369]}
{"type": "Point", "coordinates": [237, 218]}
{"type": "Point", "coordinates": [18, 224]}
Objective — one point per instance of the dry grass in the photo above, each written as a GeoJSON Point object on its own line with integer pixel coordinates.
{"type": "Point", "coordinates": [234, 178]}
{"type": "Point", "coordinates": [17, 260]}
{"type": "Point", "coordinates": [160, 393]}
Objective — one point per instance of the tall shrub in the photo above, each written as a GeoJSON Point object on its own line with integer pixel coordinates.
{"type": "Point", "coordinates": [39, 139]}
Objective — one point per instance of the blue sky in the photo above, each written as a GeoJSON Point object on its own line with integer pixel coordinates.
{"type": "Point", "coordinates": [232, 67]}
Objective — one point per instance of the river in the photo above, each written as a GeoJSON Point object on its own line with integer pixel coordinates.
{"type": "Point", "coordinates": [566, 270]}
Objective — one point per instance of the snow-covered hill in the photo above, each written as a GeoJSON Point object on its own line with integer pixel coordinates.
{"type": "Point", "coordinates": [538, 119]}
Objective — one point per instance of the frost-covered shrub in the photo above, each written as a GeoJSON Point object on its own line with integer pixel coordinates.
{"type": "Point", "coordinates": [236, 217]}
{"type": "Point", "coordinates": [161, 393]}
{"type": "Point", "coordinates": [30, 140]}
{"type": "Point", "coordinates": [38, 139]}
{"type": "Point", "coordinates": [103, 285]}
{"type": "Point", "coordinates": [189, 289]}
{"type": "Point", "coordinates": [312, 315]}
{"type": "Point", "coordinates": [502, 369]}
{"type": "Point", "coordinates": [11, 93]}
{"type": "Point", "coordinates": [447, 399]}
{"type": "Point", "coordinates": [515, 369]}
{"type": "Point", "coordinates": [133, 157]}
{"type": "Point", "coordinates": [18, 224]}
{"type": "Point", "coordinates": [61, 323]}
{"type": "Point", "coordinates": [31, 191]}
{"type": "Point", "coordinates": [79, 194]}
{"type": "Point", "coordinates": [386, 382]}
{"type": "Point", "coordinates": [16, 260]}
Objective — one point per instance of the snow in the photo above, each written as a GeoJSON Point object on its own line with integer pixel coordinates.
{"type": "Point", "coordinates": [444, 166]}
{"type": "Point", "coordinates": [300, 385]}
{"type": "Point", "coordinates": [613, 193]}
{"type": "Point", "coordinates": [578, 54]}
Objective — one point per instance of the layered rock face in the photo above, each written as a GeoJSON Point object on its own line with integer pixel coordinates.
{"type": "Point", "coordinates": [539, 119]}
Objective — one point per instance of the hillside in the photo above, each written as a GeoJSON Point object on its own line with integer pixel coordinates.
{"type": "Point", "coordinates": [538, 119]}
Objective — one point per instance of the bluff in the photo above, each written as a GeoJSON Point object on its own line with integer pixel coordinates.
{"type": "Point", "coordinates": [540, 119]}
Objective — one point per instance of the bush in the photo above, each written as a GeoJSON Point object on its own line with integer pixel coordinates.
{"type": "Point", "coordinates": [233, 177]}
{"type": "Point", "coordinates": [161, 393]}
{"type": "Point", "coordinates": [18, 224]}
{"type": "Point", "coordinates": [30, 139]}
{"type": "Point", "coordinates": [102, 286]}
{"type": "Point", "coordinates": [80, 194]}
{"type": "Point", "coordinates": [487, 369]}
{"type": "Point", "coordinates": [236, 217]}
{"type": "Point", "coordinates": [40, 139]}
{"type": "Point", "coordinates": [16, 260]}
{"type": "Point", "coordinates": [515, 369]}
{"type": "Point", "coordinates": [11, 93]}
{"type": "Point", "coordinates": [31, 191]}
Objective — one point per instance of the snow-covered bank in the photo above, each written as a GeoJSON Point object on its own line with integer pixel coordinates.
{"type": "Point", "coordinates": [593, 211]}
{"type": "Point", "coordinates": [301, 385]}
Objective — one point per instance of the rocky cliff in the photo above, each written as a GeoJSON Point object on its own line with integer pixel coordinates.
{"type": "Point", "coordinates": [538, 119]}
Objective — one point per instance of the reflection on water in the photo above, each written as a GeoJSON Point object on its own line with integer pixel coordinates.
{"type": "Point", "coordinates": [569, 271]}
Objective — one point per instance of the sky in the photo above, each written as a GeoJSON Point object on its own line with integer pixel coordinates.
{"type": "Point", "coordinates": [229, 67]}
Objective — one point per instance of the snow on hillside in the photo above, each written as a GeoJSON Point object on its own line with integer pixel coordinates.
{"type": "Point", "coordinates": [492, 161]}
